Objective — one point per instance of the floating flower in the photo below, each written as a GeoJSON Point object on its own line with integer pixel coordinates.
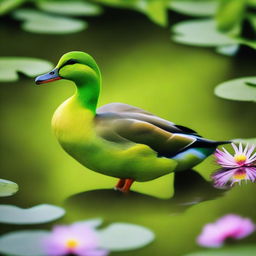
{"type": "Point", "coordinates": [242, 156]}
{"type": "Point", "coordinates": [231, 176]}
{"type": "Point", "coordinates": [229, 226]}
{"type": "Point", "coordinates": [77, 239]}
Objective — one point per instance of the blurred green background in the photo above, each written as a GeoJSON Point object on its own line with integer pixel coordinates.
{"type": "Point", "coordinates": [142, 67]}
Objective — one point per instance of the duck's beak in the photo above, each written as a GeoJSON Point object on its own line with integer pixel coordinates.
{"type": "Point", "coordinates": [49, 77]}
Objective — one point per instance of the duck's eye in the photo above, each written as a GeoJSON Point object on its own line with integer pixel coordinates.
{"type": "Point", "coordinates": [70, 62]}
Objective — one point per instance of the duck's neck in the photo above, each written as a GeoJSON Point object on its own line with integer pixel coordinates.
{"type": "Point", "coordinates": [87, 93]}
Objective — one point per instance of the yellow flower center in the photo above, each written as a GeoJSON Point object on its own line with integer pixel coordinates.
{"type": "Point", "coordinates": [240, 159]}
{"type": "Point", "coordinates": [71, 243]}
{"type": "Point", "coordinates": [240, 175]}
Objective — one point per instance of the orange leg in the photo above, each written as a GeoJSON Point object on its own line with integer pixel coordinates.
{"type": "Point", "coordinates": [120, 184]}
{"type": "Point", "coordinates": [124, 185]}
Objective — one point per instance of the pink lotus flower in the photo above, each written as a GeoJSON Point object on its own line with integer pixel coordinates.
{"type": "Point", "coordinates": [242, 156]}
{"type": "Point", "coordinates": [231, 176]}
{"type": "Point", "coordinates": [229, 226]}
{"type": "Point", "coordinates": [77, 239]}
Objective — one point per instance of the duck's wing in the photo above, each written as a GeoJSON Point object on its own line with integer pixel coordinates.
{"type": "Point", "coordinates": [128, 111]}
{"type": "Point", "coordinates": [124, 123]}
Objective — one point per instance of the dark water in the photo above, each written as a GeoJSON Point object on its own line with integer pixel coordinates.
{"type": "Point", "coordinates": [142, 67]}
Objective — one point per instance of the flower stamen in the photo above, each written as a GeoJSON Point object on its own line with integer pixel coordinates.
{"type": "Point", "coordinates": [72, 243]}
{"type": "Point", "coordinates": [240, 159]}
{"type": "Point", "coordinates": [240, 175]}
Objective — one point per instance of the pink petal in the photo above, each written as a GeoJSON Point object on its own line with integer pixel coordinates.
{"type": "Point", "coordinates": [87, 238]}
{"type": "Point", "coordinates": [240, 151]}
{"type": "Point", "coordinates": [228, 154]}
{"type": "Point", "coordinates": [252, 157]}
{"type": "Point", "coordinates": [249, 152]}
{"type": "Point", "coordinates": [246, 149]}
{"type": "Point", "coordinates": [235, 148]}
{"type": "Point", "coordinates": [229, 226]}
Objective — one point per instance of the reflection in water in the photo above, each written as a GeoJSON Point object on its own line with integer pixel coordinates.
{"type": "Point", "coordinates": [228, 177]}
{"type": "Point", "coordinates": [189, 186]}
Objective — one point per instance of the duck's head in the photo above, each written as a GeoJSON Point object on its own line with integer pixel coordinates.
{"type": "Point", "coordinates": [76, 66]}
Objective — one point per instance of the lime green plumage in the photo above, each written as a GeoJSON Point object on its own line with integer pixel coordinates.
{"type": "Point", "coordinates": [74, 128]}
{"type": "Point", "coordinates": [118, 140]}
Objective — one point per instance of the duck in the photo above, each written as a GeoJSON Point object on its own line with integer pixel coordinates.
{"type": "Point", "coordinates": [117, 139]}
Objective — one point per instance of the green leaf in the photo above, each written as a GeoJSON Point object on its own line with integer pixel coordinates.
{"type": "Point", "coordinates": [201, 33]}
{"type": "Point", "coordinates": [230, 14]}
{"type": "Point", "coordinates": [237, 89]}
{"type": "Point", "coordinates": [72, 8]}
{"type": "Point", "coordinates": [8, 5]}
{"type": "Point", "coordinates": [9, 66]}
{"type": "Point", "coordinates": [119, 3]}
{"type": "Point", "coordinates": [252, 3]}
{"type": "Point", "coordinates": [247, 42]}
{"type": "Point", "coordinates": [39, 22]}
{"type": "Point", "coordinates": [7, 188]}
{"type": "Point", "coordinates": [252, 19]}
{"type": "Point", "coordinates": [201, 8]}
{"type": "Point", "coordinates": [124, 236]}
{"type": "Point", "coordinates": [246, 250]}
{"type": "Point", "coordinates": [38, 214]}
{"type": "Point", "coordinates": [156, 10]}
{"type": "Point", "coordinates": [23, 243]}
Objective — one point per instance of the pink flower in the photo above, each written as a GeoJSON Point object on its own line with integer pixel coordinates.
{"type": "Point", "coordinates": [231, 176]}
{"type": "Point", "coordinates": [242, 157]}
{"type": "Point", "coordinates": [229, 226]}
{"type": "Point", "coordinates": [78, 239]}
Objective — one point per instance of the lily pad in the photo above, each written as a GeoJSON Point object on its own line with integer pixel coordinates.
{"type": "Point", "coordinates": [228, 50]}
{"type": "Point", "coordinates": [201, 33]}
{"type": "Point", "coordinates": [24, 243]}
{"type": "Point", "coordinates": [240, 89]}
{"type": "Point", "coordinates": [195, 8]}
{"type": "Point", "coordinates": [7, 188]}
{"type": "Point", "coordinates": [42, 23]}
{"type": "Point", "coordinates": [124, 236]}
{"type": "Point", "coordinates": [116, 237]}
{"type": "Point", "coordinates": [9, 66]}
{"type": "Point", "coordinates": [72, 8]}
{"type": "Point", "coordinates": [38, 214]}
{"type": "Point", "coordinates": [247, 250]}
{"type": "Point", "coordinates": [251, 141]}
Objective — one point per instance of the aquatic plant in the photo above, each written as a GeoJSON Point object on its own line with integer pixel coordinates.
{"type": "Point", "coordinates": [240, 89]}
{"type": "Point", "coordinates": [222, 24]}
{"type": "Point", "coordinates": [7, 188]}
{"type": "Point", "coordinates": [82, 238]}
{"type": "Point", "coordinates": [229, 226]}
{"type": "Point", "coordinates": [236, 168]}
{"type": "Point", "coordinates": [229, 177]}
{"type": "Point", "coordinates": [242, 156]}
{"type": "Point", "coordinates": [78, 239]}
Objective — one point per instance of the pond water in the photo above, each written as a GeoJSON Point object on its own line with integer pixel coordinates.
{"type": "Point", "coordinates": [142, 67]}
